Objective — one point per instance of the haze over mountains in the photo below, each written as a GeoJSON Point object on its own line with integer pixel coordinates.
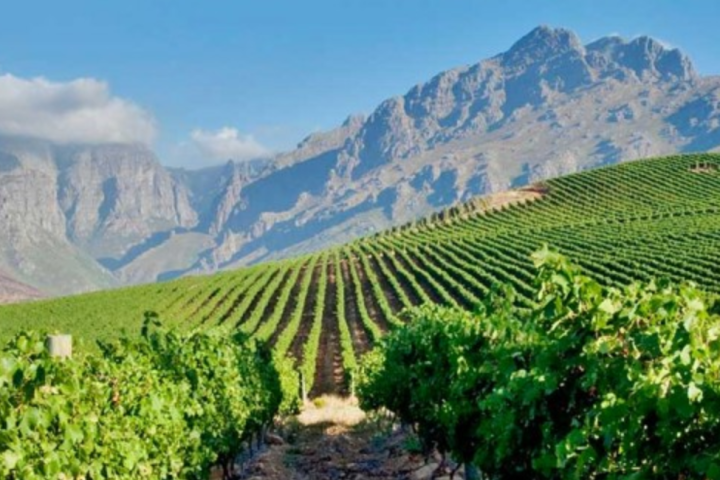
{"type": "Point", "coordinates": [74, 218]}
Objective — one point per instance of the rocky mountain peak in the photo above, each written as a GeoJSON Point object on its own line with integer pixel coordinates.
{"type": "Point", "coordinates": [541, 44]}
{"type": "Point", "coordinates": [354, 121]}
{"type": "Point", "coordinates": [537, 70]}
{"type": "Point", "coordinates": [644, 56]}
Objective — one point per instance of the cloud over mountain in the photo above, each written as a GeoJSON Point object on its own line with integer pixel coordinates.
{"type": "Point", "coordinates": [79, 111]}
{"type": "Point", "coordinates": [228, 144]}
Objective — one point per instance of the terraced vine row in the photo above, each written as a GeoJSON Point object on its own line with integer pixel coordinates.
{"type": "Point", "coordinates": [645, 219]}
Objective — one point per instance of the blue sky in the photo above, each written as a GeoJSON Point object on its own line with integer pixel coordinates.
{"type": "Point", "coordinates": [278, 70]}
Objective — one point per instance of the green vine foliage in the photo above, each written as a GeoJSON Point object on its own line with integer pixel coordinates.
{"type": "Point", "coordinates": [159, 406]}
{"type": "Point", "coordinates": [592, 382]}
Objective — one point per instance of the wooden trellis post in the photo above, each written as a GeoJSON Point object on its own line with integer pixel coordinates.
{"type": "Point", "coordinates": [351, 384]}
{"type": "Point", "coordinates": [59, 346]}
{"type": "Point", "coordinates": [303, 387]}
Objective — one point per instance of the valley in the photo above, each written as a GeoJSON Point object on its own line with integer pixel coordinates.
{"type": "Point", "coordinates": [654, 218]}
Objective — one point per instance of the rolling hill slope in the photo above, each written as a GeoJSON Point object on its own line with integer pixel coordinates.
{"type": "Point", "coordinates": [639, 220]}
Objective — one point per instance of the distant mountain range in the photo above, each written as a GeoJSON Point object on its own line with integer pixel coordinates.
{"type": "Point", "coordinates": [87, 217]}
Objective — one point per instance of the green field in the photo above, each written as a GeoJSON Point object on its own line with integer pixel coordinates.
{"type": "Point", "coordinates": [635, 221]}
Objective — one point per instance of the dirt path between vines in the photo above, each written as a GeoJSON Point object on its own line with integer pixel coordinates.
{"type": "Point", "coordinates": [329, 372]}
{"type": "Point", "coordinates": [298, 344]}
{"type": "Point", "coordinates": [333, 439]}
{"type": "Point", "coordinates": [360, 337]}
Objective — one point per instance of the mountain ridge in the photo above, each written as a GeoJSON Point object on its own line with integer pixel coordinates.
{"type": "Point", "coordinates": [547, 106]}
{"type": "Point", "coordinates": [461, 102]}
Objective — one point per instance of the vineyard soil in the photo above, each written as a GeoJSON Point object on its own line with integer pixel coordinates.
{"type": "Point", "coordinates": [329, 368]}
{"type": "Point", "coordinates": [361, 342]}
{"type": "Point", "coordinates": [333, 439]}
{"type": "Point", "coordinates": [300, 339]}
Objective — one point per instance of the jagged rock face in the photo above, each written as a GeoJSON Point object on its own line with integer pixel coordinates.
{"type": "Point", "coordinates": [538, 70]}
{"type": "Point", "coordinates": [28, 201]}
{"type": "Point", "coordinates": [699, 119]}
{"type": "Point", "coordinates": [64, 209]}
{"type": "Point", "coordinates": [116, 195]}
{"type": "Point", "coordinates": [548, 106]}
{"type": "Point", "coordinates": [543, 67]}
{"type": "Point", "coordinates": [229, 199]}
{"type": "Point", "coordinates": [320, 142]}
{"type": "Point", "coordinates": [33, 245]}
{"type": "Point", "coordinates": [230, 202]}
{"type": "Point", "coordinates": [538, 46]}
{"type": "Point", "coordinates": [208, 187]}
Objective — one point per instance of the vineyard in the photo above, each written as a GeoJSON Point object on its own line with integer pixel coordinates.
{"type": "Point", "coordinates": [636, 221]}
{"type": "Point", "coordinates": [591, 382]}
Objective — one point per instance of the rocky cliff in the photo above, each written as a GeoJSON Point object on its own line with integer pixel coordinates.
{"type": "Point", "coordinates": [72, 214]}
{"type": "Point", "coordinates": [550, 105]}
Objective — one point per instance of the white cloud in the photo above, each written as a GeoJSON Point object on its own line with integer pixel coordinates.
{"type": "Point", "coordinates": [78, 111]}
{"type": "Point", "coordinates": [227, 144]}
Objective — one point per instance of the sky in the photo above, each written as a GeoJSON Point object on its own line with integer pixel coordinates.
{"type": "Point", "coordinates": [204, 81]}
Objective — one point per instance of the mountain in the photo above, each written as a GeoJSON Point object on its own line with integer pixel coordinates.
{"type": "Point", "coordinates": [548, 106]}
{"type": "Point", "coordinates": [72, 214]}
{"type": "Point", "coordinates": [83, 217]}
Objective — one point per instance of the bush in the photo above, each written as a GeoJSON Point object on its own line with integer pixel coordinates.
{"type": "Point", "coordinates": [592, 382]}
{"type": "Point", "coordinates": [164, 405]}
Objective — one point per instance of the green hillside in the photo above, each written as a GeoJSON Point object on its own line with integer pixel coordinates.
{"type": "Point", "coordinates": [635, 221]}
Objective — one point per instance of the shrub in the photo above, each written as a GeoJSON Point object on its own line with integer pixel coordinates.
{"type": "Point", "coordinates": [592, 382]}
